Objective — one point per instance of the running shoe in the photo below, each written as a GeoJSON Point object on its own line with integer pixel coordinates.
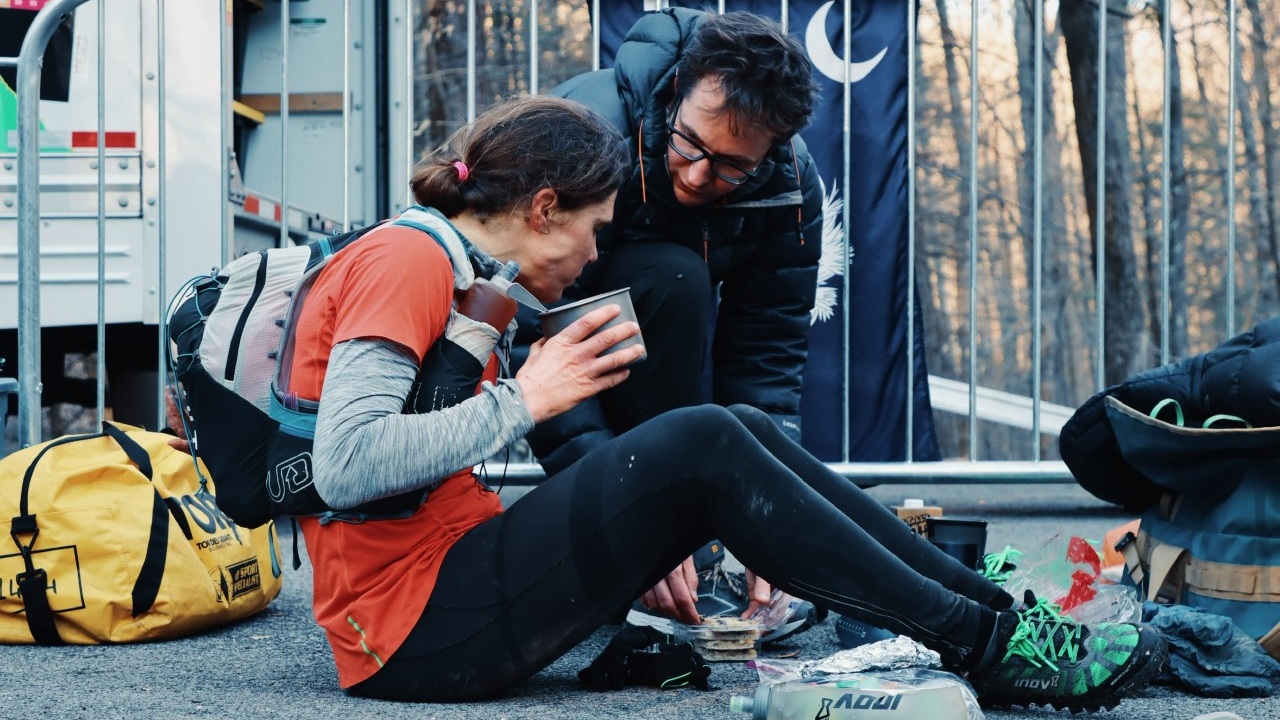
{"type": "Point", "coordinates": [1044, 657]}
{"type": "Point", "coordinates": [851, 633]}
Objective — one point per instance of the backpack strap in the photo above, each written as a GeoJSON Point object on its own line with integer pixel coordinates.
{"type": "Point", "coordinates": [1155, 576]}
{"type": "Point", "coordinates": [456, 247]}
{"type": "Point", "coordinates": [1165, 583]}
{"type": "Point", "coordinates": [1229, 581]}
{"type": "Point", "coordinates": [1128, 549]}
{"type": "Point", "coordinates": [33, 584]}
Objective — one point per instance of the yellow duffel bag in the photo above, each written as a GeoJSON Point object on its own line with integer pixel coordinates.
{"type": "Point", "coordinates": [115, 537]}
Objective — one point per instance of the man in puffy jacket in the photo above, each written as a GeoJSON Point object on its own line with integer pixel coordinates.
{"type": "Point", "coordinates": [717, 231]}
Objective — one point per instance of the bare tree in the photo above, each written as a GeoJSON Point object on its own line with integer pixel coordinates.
{"type": "Point", "coordinates": [1179, 202]}
{"type": "Point", "coordinates": [935, 253]}
{"type": "Point", "coordinates": [1270, 135]}
{"type": "Point", "coordinates": [1205, 276]}
{"type": "Point", "coordinates": [1257, 226]}
{"type": "Point", "coordinates": [1064, 376]}
{"type": "Point", "coordinates": [960, 133]}
{"type": "Point", "coordinates": [440, 78]}
{"type": "Point", "coordinates": [504, 49]}
{"type": "Point", "coordinates": [1149, 190]}
{"type": "Point", "coordinates": [1125, 317]}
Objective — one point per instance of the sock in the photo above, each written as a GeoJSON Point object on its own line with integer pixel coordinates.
{"type": "Point", "coordinates": [998, 627]}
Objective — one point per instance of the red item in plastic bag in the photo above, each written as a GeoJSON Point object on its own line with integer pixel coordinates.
{"type": "Point", "coordinates": [1082, 591]}
{"type": "Point", "coordinates": [1083, 581]}
{"type": "Point", "coordinates": [1080, 551]}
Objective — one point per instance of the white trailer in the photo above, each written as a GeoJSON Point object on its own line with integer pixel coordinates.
{"type": "Point", "coordinates": [202, 159]}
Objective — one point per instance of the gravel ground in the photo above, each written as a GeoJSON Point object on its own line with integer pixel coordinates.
{"type": "Point", "coordinates": [278, 665]}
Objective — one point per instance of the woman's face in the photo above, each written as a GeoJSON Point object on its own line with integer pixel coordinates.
{"type": "Point", "coordinates": [551, 262]}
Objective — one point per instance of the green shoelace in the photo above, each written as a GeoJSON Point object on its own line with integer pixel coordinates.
{"type": "Point", "coordinates": [1033, 638]}
{"type": "Point", "coordinates": [998, 566]}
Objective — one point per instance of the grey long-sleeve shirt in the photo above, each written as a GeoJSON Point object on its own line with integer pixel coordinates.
{"type": "Point", "coordinates": [365, 446]}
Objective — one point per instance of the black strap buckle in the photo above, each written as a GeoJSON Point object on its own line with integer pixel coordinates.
{"type": "Point", "coordinates": [24, 525]}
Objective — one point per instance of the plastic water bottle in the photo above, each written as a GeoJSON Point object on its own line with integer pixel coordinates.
{"type": "Point", "coordinates": [855, 697]}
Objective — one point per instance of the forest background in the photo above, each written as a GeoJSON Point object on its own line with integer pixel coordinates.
{"type": "Point", "coordinates": [1191, 251]}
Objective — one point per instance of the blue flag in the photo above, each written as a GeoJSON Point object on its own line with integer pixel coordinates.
{"type": "Point", "coordinates": [874, 314]}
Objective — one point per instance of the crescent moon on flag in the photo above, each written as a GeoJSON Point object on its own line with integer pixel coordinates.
{"type": "Point", "coordinates": [824, 57]}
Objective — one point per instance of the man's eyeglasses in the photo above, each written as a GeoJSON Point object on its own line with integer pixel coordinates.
{"type": "Point", "coordinates": [690, 150]}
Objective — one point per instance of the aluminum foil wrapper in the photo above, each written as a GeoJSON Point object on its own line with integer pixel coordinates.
{"type": "Point", "coordinates": [896, 654]}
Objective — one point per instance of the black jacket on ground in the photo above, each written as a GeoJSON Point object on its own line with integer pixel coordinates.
{"type": "Point", "coordinates": [761, 243]}
{"type": "Point", "coordinates": [1240, 377]}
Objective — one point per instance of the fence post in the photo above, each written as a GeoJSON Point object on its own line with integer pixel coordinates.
{"type": "Point", "coordinates": [30, 63]}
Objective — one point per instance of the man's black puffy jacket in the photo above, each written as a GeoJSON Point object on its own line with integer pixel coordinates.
{"type": "Point", "coordinates": [762, 242]}
{"type": "Point", "coordinates": [1240, 377]}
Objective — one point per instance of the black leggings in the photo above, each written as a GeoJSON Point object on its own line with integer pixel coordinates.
{"type": "Point", "coordinates": [672, 292]}
{"type": "Point", "coordinates": [520, 590]}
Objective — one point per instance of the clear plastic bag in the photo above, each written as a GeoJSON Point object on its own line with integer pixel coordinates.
{"type": "Point", "coordinates": [1067, 571]}
{"type": "Point", "coordinates": [781, 608]}
{"type": "Point", "coordinates": [1113, 603]}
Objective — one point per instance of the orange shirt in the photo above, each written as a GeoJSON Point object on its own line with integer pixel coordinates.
{"type": "Point", "coordinates": [372, 580]}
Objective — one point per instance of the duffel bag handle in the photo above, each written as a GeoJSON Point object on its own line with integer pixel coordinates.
{"type": "Point", "coordinates": [136, 454]}
{"type": "Point", "coordinates": [147, 586]}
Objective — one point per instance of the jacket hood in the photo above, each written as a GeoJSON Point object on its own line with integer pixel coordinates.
{"type": "Point", "coordinates": [646, 63]}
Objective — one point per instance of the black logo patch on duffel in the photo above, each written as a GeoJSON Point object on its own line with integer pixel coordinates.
{"type": "Point", "coordinates": [245, 577]}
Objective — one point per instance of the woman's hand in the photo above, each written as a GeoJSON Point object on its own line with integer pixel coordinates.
{"type": "Point", "coordinates": [173, 420]}
{"type": "Point", "coordinates": [566, 369]}
{"type": "Point", "coordinates": [759, 593]}
{"type": "Point", "coordinates": [676, 595]}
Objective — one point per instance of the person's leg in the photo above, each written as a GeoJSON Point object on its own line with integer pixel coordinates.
{"type": "Point", "coordinates": [674, 300]}
{"type": "Point", "coordinates": [520, 590]}
{"type": "Point", "coordinates": [671, 291]}
{"type": "Point", "coordinates": [1033, 656]}
{"type": "Point", "coordinates": [889, 531]}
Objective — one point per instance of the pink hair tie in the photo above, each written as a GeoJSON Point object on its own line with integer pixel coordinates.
{"type": "Point", "coordinates": [464, 172]}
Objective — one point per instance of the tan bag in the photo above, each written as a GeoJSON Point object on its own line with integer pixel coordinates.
{"type": "Point", "coordinates": [116, 537]}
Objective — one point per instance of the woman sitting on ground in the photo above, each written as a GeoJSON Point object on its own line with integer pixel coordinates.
{"type": "Point", "coordinates": [462, 601]}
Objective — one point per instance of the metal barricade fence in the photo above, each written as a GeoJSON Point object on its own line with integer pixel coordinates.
{"type": "Point", "coordinates": [965, 395]}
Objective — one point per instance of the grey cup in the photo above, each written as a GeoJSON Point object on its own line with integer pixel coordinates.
{"type": "Point", "coordinates": [557, 319]}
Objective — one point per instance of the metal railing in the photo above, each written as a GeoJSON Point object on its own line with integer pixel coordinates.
{"type": "Point", "coordinates": [29, 63]}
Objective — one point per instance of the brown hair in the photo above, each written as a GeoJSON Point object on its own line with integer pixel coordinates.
{"type": "Point", "coordinates": [518, 147]}
{"type": "Point", "coordinates": [765, 73]}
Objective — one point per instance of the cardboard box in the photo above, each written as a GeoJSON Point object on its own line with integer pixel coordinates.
{"type": "Point", "coordinates": [916, 514]}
